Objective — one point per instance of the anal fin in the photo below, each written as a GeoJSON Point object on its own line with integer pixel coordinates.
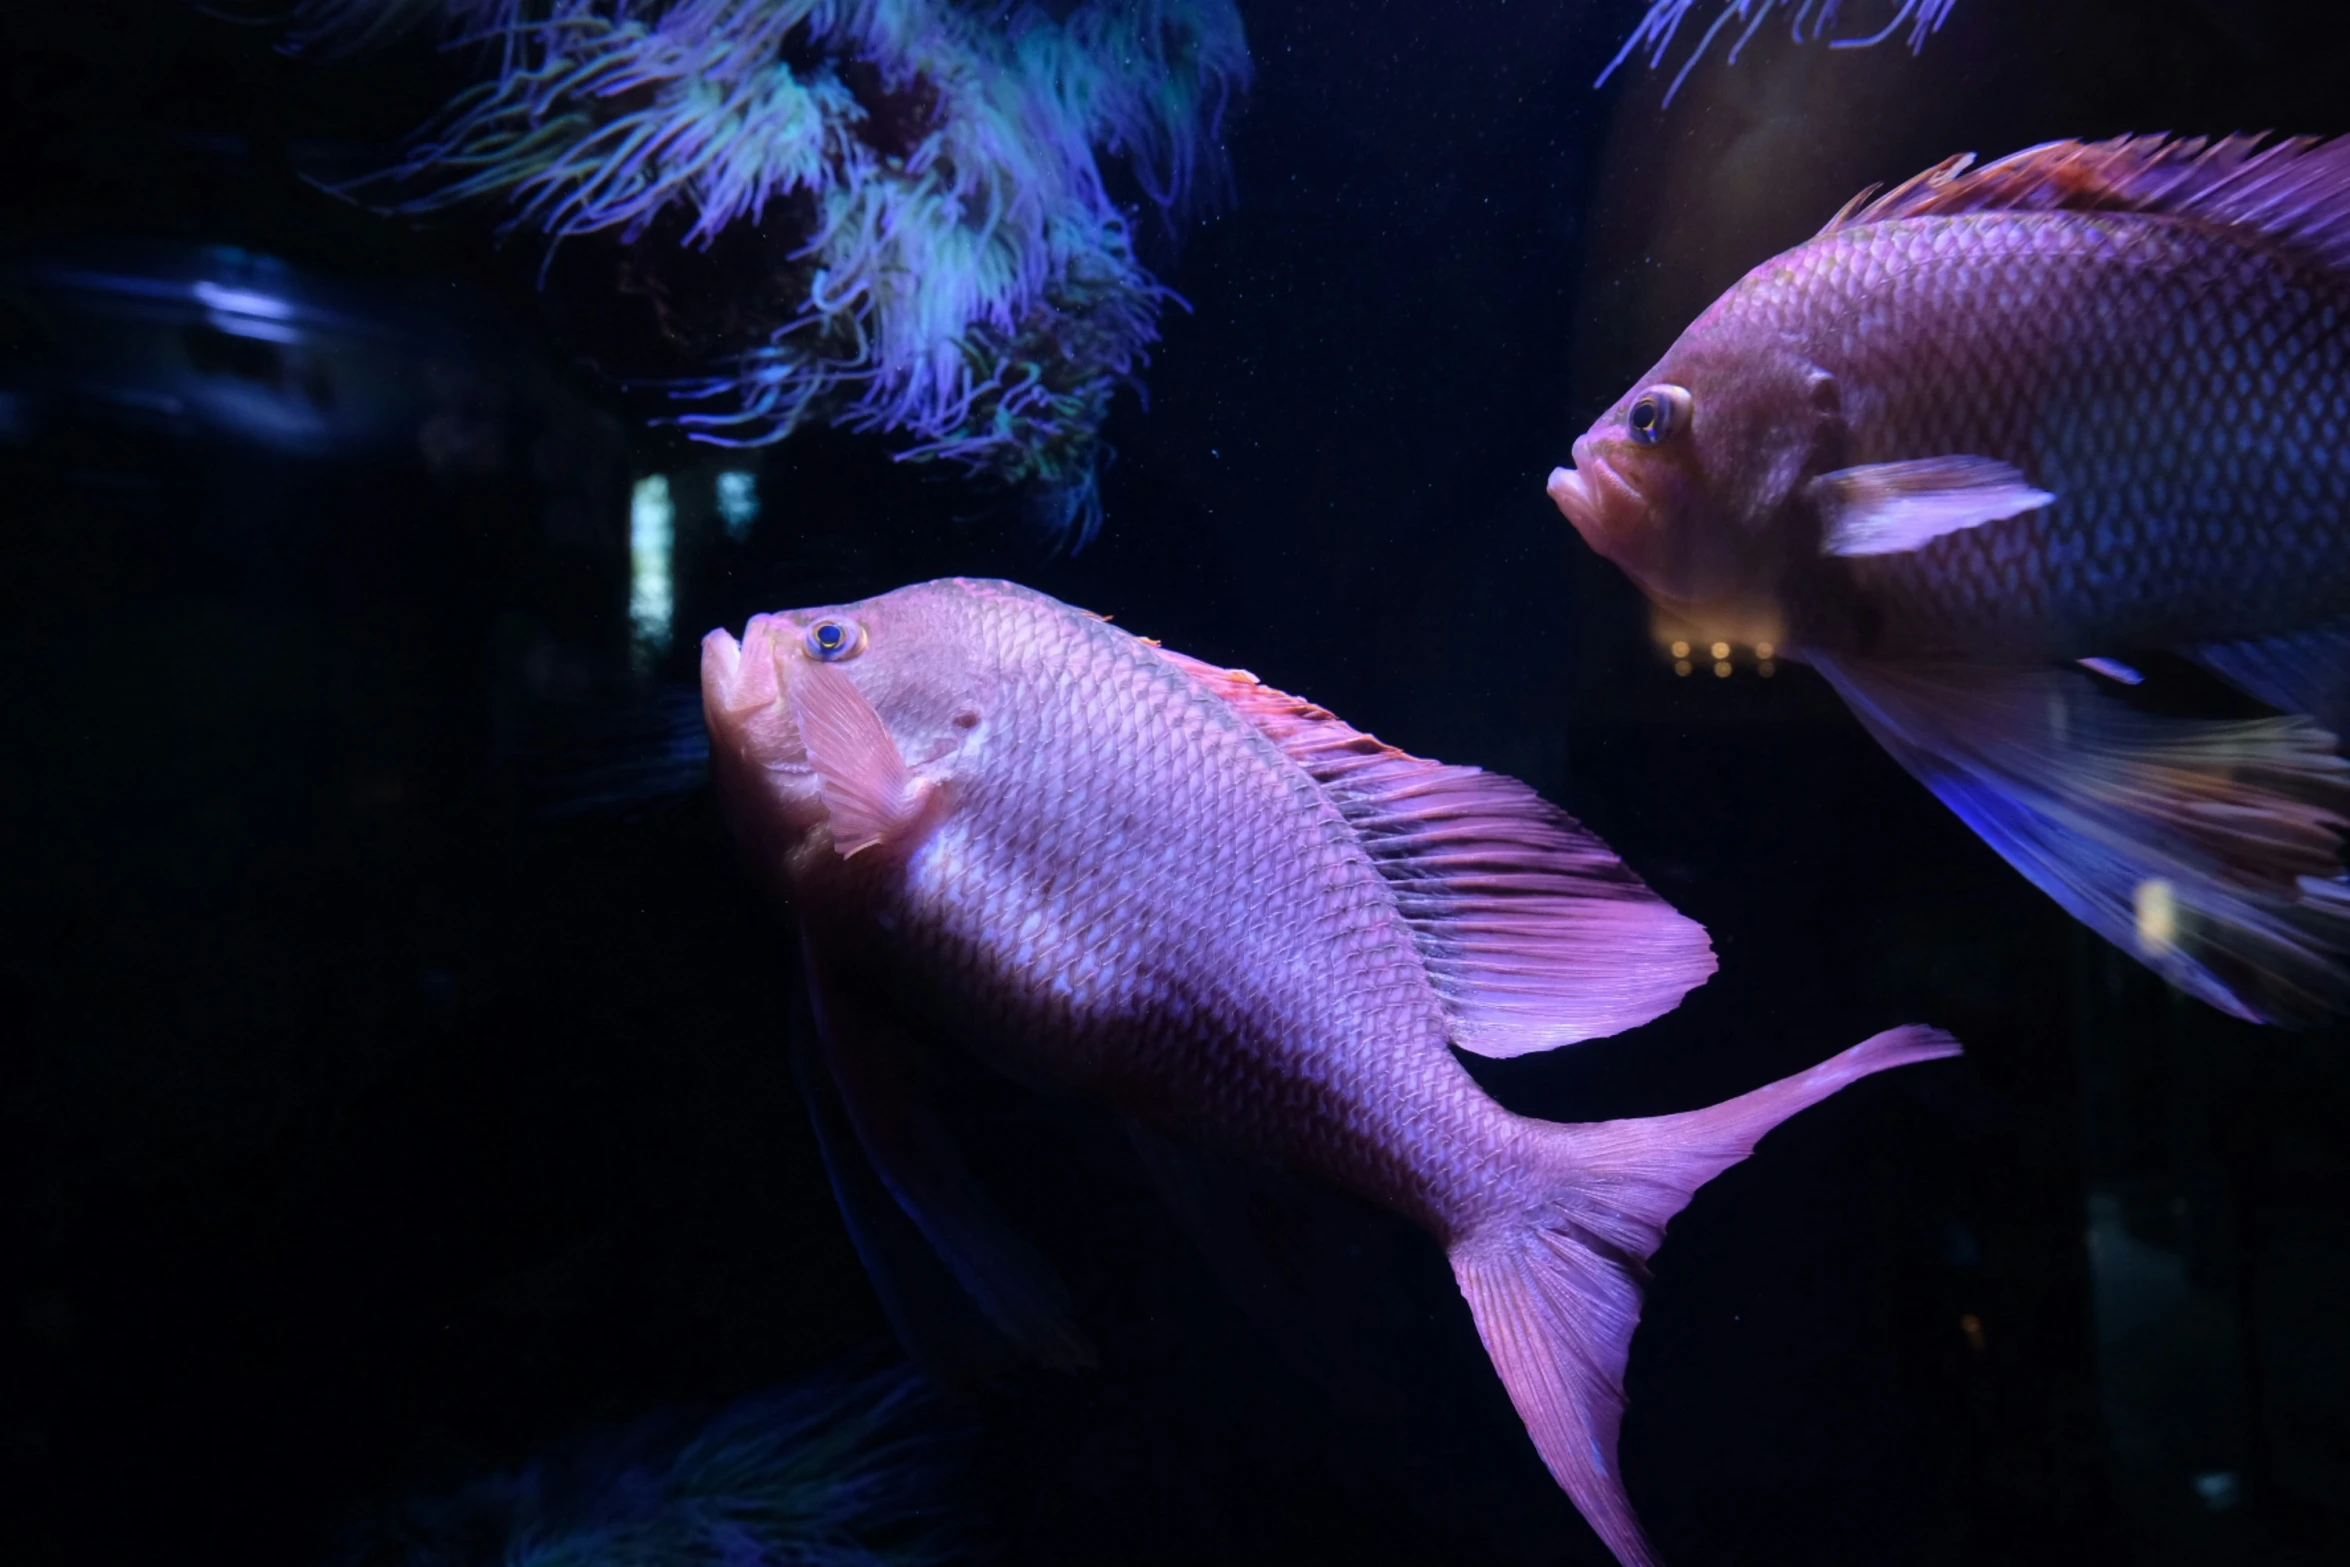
{"type": "Point", "coordinates": [1307, 1265]}
{"type": "Point", "coordinates": [935, 1319]}
{"type": "Point", "coordinates": [2208, 850]}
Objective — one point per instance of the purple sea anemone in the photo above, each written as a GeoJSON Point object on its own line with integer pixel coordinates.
{"type": "Point", "coordinates": [941, 260]}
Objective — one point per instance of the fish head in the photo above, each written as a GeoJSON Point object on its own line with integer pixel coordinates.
{"type": "Point", "coordinates": [924, 659]}
{"type": "Point", "coordinates": [1686, 482]}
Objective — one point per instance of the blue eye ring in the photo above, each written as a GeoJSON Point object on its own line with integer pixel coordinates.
{"type": "Point", "coordinates": [830, 641]}
{"type": "Point", "coordinates": [1657, 413]}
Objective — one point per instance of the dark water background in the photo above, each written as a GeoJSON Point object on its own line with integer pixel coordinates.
{"type": "Point", "coordinates": [363, 1128]}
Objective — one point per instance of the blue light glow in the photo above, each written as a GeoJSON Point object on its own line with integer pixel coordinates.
{"type": "Point", "coordinates": [652, 546]}
{"type": "Point", "coordinates": [738, 502]}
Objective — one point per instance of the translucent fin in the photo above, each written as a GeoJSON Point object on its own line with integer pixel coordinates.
{"type": "Point", "coordinates": [1534, 933]}
{"type": "Point", "coordinates": [1890, 508]}
{"type": "Point", "coordinates": [2308, 673]}
{"type": "Point", "coordinates": [2209, 851]}
{"type": "Point", "coordinates": [935, 1319]}
{"type": "Point", "coordinates": [1305, 1263]}
{"type": "Point", "coordinates": [1555, 1283]}
{"type": "Point", "coordinates": [878, 1068]}
{"type": "Point", "coordinates": [869, 795]}
{"type": "Point", "coordinates": [2295, 192]}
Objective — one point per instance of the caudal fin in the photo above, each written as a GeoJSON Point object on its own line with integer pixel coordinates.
{"type": "Point", "coordinates": [1555, 1287]}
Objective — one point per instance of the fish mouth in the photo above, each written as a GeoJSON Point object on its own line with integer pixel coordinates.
{"type": "Point", "coordinates": [1593, 495]}
{"type": "Point", "coordinates": [743, 687]}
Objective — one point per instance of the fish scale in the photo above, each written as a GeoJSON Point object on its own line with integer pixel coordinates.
{"type": "Point", "coordinates": [1223, 794]}
{"type": "Point", "coordinates": [2085, 403]}
{"type": "Point", "coordinates": [2187, 506]}
{"type": "Point", "coordinates": [1246, 925]}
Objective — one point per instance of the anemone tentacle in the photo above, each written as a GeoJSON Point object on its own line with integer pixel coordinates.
{"type": "Point", "coordinates": [923, 178]}
{"type": "Point", "coordinates": [1812, 21]}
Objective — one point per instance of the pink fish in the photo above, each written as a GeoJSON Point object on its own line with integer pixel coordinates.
{"type": "Point", "coordinates": [1987, 441]}
{"type": "Point", "coordinates": [1104, 866]}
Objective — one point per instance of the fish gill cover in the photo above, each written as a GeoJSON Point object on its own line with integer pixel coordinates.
{"type": "Point", "coordinates": [939, 257]}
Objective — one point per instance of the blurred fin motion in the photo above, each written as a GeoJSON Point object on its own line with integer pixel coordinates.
{"type": "Point", "coordinates": [2208, 849]}
{"type": "Point", "coordinates": [2308, 672]}
{"type": "Point", "coordinates": [842, 1471]}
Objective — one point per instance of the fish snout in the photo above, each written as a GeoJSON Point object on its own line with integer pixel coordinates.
{"type": "Point", "coordinates": [1571, 493]}
{"type": "Point", "coordinates": [742, 677]}
{"type": "Point", "coordinates": [1593, 495]}
{"type": "Point", "coordinates": [722, 661]}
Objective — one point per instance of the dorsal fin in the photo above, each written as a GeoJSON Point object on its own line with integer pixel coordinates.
{"type": "Point", "coordinates": [1534, 933]}
{"type": "Point", "coordinates": [2295, 191]}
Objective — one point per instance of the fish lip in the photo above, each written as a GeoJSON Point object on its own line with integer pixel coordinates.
{"type": "Point", "coordinates": [722, 655]}
{"type": "Point", "coordinates": [1593, 489]}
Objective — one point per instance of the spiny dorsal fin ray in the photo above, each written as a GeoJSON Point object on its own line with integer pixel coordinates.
{"type": "Point", "coordinates": [2295, 191]}
{"type": "Point", "coordinates": [1534, 933]}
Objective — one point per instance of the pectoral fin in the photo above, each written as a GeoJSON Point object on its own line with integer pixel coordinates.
{"type": "Point", "coordinates": [878, 1064]}
{"type": "Point", "coordinates": [1890, 508]}
{"type": "Point", "coordinates": [2210, 851]}
{"type": "Point", "coordinates": [870, 795]}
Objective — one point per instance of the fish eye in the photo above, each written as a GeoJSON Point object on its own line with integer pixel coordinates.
{"type": "Point", "coordinates": [833, 640]}
{"type": "Point", "coordinates": [1657, 413]}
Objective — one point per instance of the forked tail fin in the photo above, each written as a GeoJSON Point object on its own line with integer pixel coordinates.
{"type": "Point", "coordinates": [1555, 1286]}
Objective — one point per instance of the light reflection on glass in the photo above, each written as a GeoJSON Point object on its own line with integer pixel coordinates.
{"type": "Point", "coordinates": [738, 502]}
{"type": "Point", "coordinates": [652, 543]}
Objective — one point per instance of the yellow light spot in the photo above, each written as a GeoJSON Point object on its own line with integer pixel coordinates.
{"type": "Point", "coordinates": [1764, 650]}
{"type": "Point", "coordinates": [1766, 669]}
{"type": "Point", "coordinates": [1680, 650]}
{"type": "Point", "coordinates": [1972, 1326]}
{"type": "Point", "coordinates": [1722, 669]}
{"type": "Point", "coordinates": [1721, 650]}
{"type": "Point", "coordinates": [2158, 917]}
{"type": "Point", "coordinates": [1680, 666]}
